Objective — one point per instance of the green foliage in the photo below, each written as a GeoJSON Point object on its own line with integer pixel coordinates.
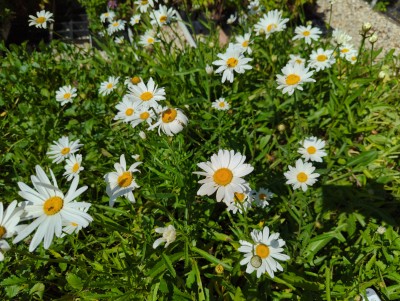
{"type": "Point", "coordinates": [330, 230]}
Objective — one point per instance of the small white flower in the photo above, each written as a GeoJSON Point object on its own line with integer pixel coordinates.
{"type": "Point", "coordinates": [171, 121]}
{"type": "Point", "coordinates": [270, 23]}
{"type": "Point", "coordinates": [145, 113]}
{"type": "Point", "coordinates": [261, 197]}
{"type": "Point", "coordinates": [108, 16]}
{"type": "Point", "coordinates": [307, 33]}
{"type": "Point", "coordinates": [116, 25]}
{"type": "Point", "coordinates": [254, 7]}
{"type": "Point", "coordinates": [148, 38]}
{"type": "Point", "coordinates": [340, 37]}
{"type": "Point", "coordinates": [135, 19]}
{"type": "Point", "coordinates": [162, 16]}
{"type": "Point", "coordinates": [168, 236]}
{"type": "Point", "coordinates": [293, 77]}
{"type": "Point", "coordinates": [296, 59]}
{"type": "Point", "coordinates": [127, 108]}
{"type": "Point", "coordinates": [241, 202]}
{"type": "Point", "coordinates": [221, 105]}
{"type": "Point", "coordinates": [381, 230]}
{"type": "Point", "coordinates": [73, 166]}
{"type": "Point", "coordinates": [149, 94]}
{"type": "Point", "coordinates": [232, 18]}
{"type": "Point", "coordinates": [346, 49]}
{"type": "Point", "coordinates": [9, 220]}
{"type": "Point", "coordinates": [72, 227]}
{"type": "Point", "coordinates": [321, 59]}
{"type": "Point", "coordinates": [65, 94]}
{"type": "Point", "coordinates": [312, 149]}
{"type": "Point", "coordinates": [144, 5]}
{"type": "Point", "coordinates": [108, 86]}
{"type": "Point", "coordinates": [119, 40]}
{"type": "Point", "coordinates": [244, 42]}
{"type": "Point", "coordinates": [62, 149]}
{"type": "Point", "coordinates": [301, 176]}
{"type": "Point", "coordinates": [41, 19]}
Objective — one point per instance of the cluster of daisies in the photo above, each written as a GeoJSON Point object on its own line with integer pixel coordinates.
{"type": "Point", "coordinates": [302, 174]}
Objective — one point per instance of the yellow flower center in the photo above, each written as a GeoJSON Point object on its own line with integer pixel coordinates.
{"type": "Point", "coordinates": [74, 224]}
{"type": "Point", "coordinates": [221, 104]}
{"type": "Point", "coordinates": [321, 58]}
{"type": "Point", "coordinates": [144, 2]}
{"type": "Point", "coordinates": [53, 205]}
{"type": "Point", "coordinates": [65, 151]}
{"type": "Point", "coordinates": [311, 150]}
{"type": "Point", "coordinates": [150, 40]}
{"type": "Point", "coordinates": [271, 27]}
{"type": "Point", "coordinates": [41, 20]}
{"type": "Point", "coordinates": [219, 269]}
{"type": "Point", "coordinates": [262, 251]}
{"type": "Point", "coordinates": [245, 44]}
{"type": "Point", "coordinates": [144, 115]}
{"type": "Point", "coordinates": [169, 115]}
{"type": "Point", "coordinates": [115, 24]}
{"type": "Point", "coordinates": [262, 196]}
{"type": "Point", "coordinates": [306, 33]}
{"type": "Point", "coordinates": [344, 50]}
{"type": "Point", "coordinates": [239, 197]}
{"type": "Point", "coordinates": [299, 61]}
{"type": "Point", "coordinates": [223, 176]}
{"type": "Point", "coordinates": [232, 62]}
{"type": "Point", "coordinates": [146, 96]}
{"type": "Point", "coordinates": [67, 95]}
{"type": "Point", "coordinates": [125, 179]}
{"type": "Point", "coordinates": [292, 79]}
{"type": "Point", "coordinates": [135, 80]}
{"type": "Point", "coordinates": [302, 177]}
{"type": "Point", "coordinates": [354, 58]}
{"type": "Point", "coordinates": [129, 112]}
{"type": "Point", "coordinates": [3, 231]}
{"type": "Point", "coordinates": [163, 19]}
{"type": "Point", "coordinates": [109, 85]}
{"type": "Point", "coordinates": [75, 168]}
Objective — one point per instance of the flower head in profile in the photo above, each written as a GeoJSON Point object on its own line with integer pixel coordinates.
{"type": "Point", "coordinates": [263, 253]}
{"type": "Point", "coordinates": [241, 202]}
{"type": "Point", "coordinates": [293, 77]}
{"type": "Point", "coordinates": [270, 23]}
{"type": "Point", "coordinates": [321, 59]}
{"type": "Point", "coordinates": [143, 5]}
{"type": "Point", "coordinates": [135, 19]}
{"type": "Point", "coordinates": [296, 59]}
{"type": "Point", "coordinates": [162, 16]}
{"type": "Point", "coordinates": [171, 121]}
{"type": "Point", "coordinates": [232, 18]}
{"type": "Point", "coordinates": [340, 37]}
{"type": "Point", "coordinates": [221, 104]}
{"type": "Point", "coordinates": [232, 60]}
{"type": "Point", "coordinates": [254, 7]}
{"type": "Point", "coordinates": [148, 38]}
{"type": "Point", "coordinates": [308, 33]}
{"type": "Point", "coordinates": [261, 197]}
{"type": "Point", "coordinates": [121, 182]}
{"type": "Point", "coordinates": [312, 149]}
{"type": "Point", "coordinates": [108, 86]}
{"type": "Point", "coordinates": [224, 175]}
{"type": "Point", "coordinates": [244, 42]}
{"type": "Point", "coordinates": [50, 208]}
{"type": "Point", "coordinates": [72, 227]}
{"type": "Point", "coordinates": [62, 149]}
{"type": "Point", "coordinates": [9, 220]}
{"type": "Point", "coordinates": [168, 236]}
{"type": "Point", "coordinates": [149, 94]}
{"type": "Point", "coordinates": [65, 94]}
{"type": "Point", "coordinates": [116, 25]}
{"type": "Point", "coordinates": [73, 167]}
{"type": "Point", "coordinates": [41, 19]}
{"type": "Point", "coordinates": [301, 176]}
{"type": "Point", "coordinates": [107, 16]}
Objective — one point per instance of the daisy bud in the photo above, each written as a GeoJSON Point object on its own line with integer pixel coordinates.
{"type": "Point", "coordinates": [219, 269]}
{"type": "Point", "coordinates": [211, 44]}
{"type": "Point", "coordinates": [281, 127]}
{"type": "Point", "coordinates": [209, 69]}
{"type": "Point", "coordinates": [373, 38]}
{"type": "Point", "coordinates": [142, 135]}
{"type": "Point", "coordinates": [381, 230]}
{"type": "Point", "coordinates": [366, 26]}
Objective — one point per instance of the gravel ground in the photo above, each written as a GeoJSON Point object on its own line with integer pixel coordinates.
{"type": "Point", "coordinates": [349, 16]}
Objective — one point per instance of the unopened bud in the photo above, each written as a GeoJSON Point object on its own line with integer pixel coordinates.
{"type": "Point", "coordinates": [281, 127]}
{"type": "Point", "coordinates": [219, 269]}
{"type": "Point", "coordinates": [142, 135]}
{"type": "Point", "coordinates": [373, 38]}
{"type": "Point", "coordinates": [366, 26]}
{"type": "Point", "coordinates": [274, 58]}
{"type": "Point", "coordinates": [211, 45]}
{"type": "Point", "coordinates": [209, 70]}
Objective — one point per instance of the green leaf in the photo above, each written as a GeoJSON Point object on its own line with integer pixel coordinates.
{"type": "Point", "coordinates": [13, 280]}
{"type": "Point", "coordinates": [211, 258]}
{"type": "Point", "coordinates": [168, 264]}
{"type": "Point", "coordinates": [37, 289]}
{"type": "Point", "coordinates": [363, 159]}
{"type": "Point", "coordinates": [74, 281]}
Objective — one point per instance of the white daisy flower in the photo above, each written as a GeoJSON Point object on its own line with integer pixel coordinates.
{"type": "Point", "coordinates": [221, 105]}
{"type": "Point", "coordinates": [296, 59]}
{"type": "Point", "coordinates": [232, 18]}
{"type": "Point", "coordinates": [149, 94]}
{"type": "Point", "coordinates": [4, 247]}
{"type": "Point", "coordinates": [301, 176]}
{"type": "Point", "coordinates": [340, 37]}
{"type": "Point", "coordinates": [312, 149]}
{"type": "Point", "coordinates": [143, 5]}
{"type": "Point", "coordinates": [148, 38]}
{"type": "Point", "coordinates": [171, 121]}
{"type": "Point", "coordinates": [72, 227]}
{"type": "Point", "coordinates": [168, 236]}
{"type": "Point", "coordinates": [254, 7]}
{"type": "Point", "coordinates": [231, 60]}
{"type": "Point", "coordinates": [241, 202]}
{"type": "Point", "coordinates": [261, 197]}
{"type": "Point", "coordinates": [135, 19]}
{"type": "Point", "coordinates": [308, 33]}
{"type": "Point", "coordinates": [119, 40]}
{"type": "Point", "coordinates": [50, 208]}
{"type": "Point", "coordinates": [321, 59]}
{"type": "Point", "coordinates": [134, 80]}
{"type": "Point", "coordinates": [116, 25]}
{"type": "Point", "coordinates": [73, 166]}
{"type": "Point", "coordinates": [41, 19]}
{"type": "Point", "coordinates": [145, 113]}
{"type": "Point", "coordinates": [9, 220]}
{"type": "Point", "coordinates": [121, 182]}
{"type": "Point", "coordinates": [352, 57]}
{"type": "Point", "coordinates": [381, 230]}
{"type": "Point", "coordinates": [162, 16]}
{"type": "Point", "coordinates": [263, 253]}
{"type": "Point", "coordinates": [108, 86]}
{"type": "Point", "coordinates": [244, 42]}
{"type": "Point", "coordinates": [65, 94]}
{"type": "Point", "coordinates": [108, 16]}
{"type": "Point", "coordinates": [293, 77]}
{"type": "Point", "coordinates": [346, 49]}
{"type": "Point", "coordinates": [270, 23]}
{"type": "Point", "coordinates": [62, 149]}
{"type": "Point", "coordinates": [224, 175]}
{"type": "Point", "coordinates": [126, 109]}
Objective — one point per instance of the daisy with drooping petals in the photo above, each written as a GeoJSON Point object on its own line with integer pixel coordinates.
{"type": "Point", "coordinates": [108, 86]}
{"type": "Point", "coordinates": [72, 227]}
{"type": "Point", "coordinates": [41, 19]}
{"type": "Point", "coordinates": [321, 59]}
{"type": "Point", "coordinates": [307, 33]}
{"type": "Point", "coordinates": [293, 77]}
{"type": "Point", "coordinates": [65, 94]}
{"type": "Point", "coordinates": [221, 105]}
{"type": "Point", "coordinates": [162, 16]}
{"type": "Point", "coordinates": [261, 197]}
{"type": "Point", "coordinates": [50, 208]}
{"type": "Point", "coordinates": [263, 253]}
{"type": "Point", "coordinates": [145, 114]}
{"type": "Point", "coordinates": [121, 182]}
{"type": "Point", "coordinates": [168, 236]}
{"type": "Point", "coordinates": [244, 42]}
{"type": "Point", "coordinates": [62, 149]}
{"type": "Point", "coordinates": [296, 59]}
{"type": "Point", "coordinates": [241, 202]}
{"type": "Point", "coordinates": [9, 220]}
{"type": "Point", "coordinates": [270, 23]}
{"type": "Point", "coordinates": [143, 5]}
{"type": "Point", "coordinates": [116, 25]}
{"type": "Point", "coordinates": [312, 149]}
{"type": "Point", "coordinates": [149, 94]}
{"type": "Point", "coordinates": [108, 16]}
{"type": "Point", "coordinates": [73, 167]}
{"type": "Point", "coordinates": [171, 122]}
{"type": "Point", "coordinates": [232, 60]}
{"type": "Point", "coordinates": [224, 175]}
{"type": "Point", "coordinates": [301, 176]}
{"type": "Point", "coordinates": [135, 19]}
{"type": "Point", "coordinates": [127, 107]}
{"type": "Point", "coordinates": [148, 38]}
